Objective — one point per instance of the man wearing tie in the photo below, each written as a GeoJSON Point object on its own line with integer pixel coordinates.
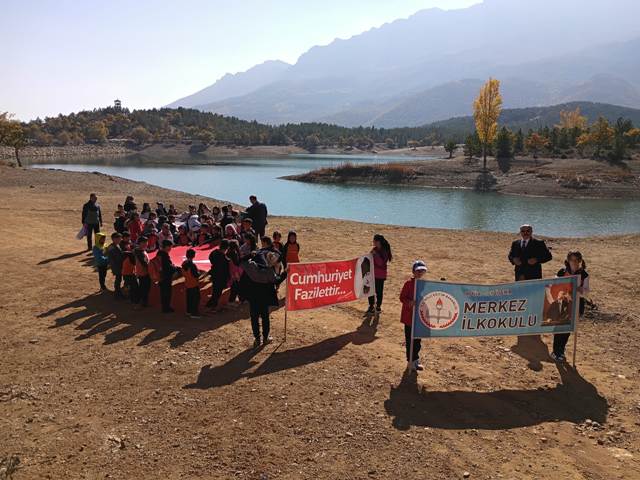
{"type": "Point", "coordinates": [528, 254]}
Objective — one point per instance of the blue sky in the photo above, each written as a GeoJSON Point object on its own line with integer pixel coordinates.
{"type": "Point", "coordinates": [63, 56]}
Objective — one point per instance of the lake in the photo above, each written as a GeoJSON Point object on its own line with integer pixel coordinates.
{"type": "Point", "coordinates": [233, 179]}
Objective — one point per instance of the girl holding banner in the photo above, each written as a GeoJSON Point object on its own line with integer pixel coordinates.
{"type": "Point", "coordinates": [573, 265]}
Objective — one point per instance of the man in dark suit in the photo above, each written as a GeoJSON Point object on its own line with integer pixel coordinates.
{"type": "Point", "coordinates": [258, 213]}
{"type": "Point", "coordinates": [528, 254]}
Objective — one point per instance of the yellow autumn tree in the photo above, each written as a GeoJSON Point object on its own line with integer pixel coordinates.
{"type": "Point", "coordinates": [486, 110]}
{"type": "Point", "coordinates": [571, 119]}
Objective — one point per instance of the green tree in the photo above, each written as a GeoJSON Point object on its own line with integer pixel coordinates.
{"type": "Point", "coordinates": [450, 147]}
{"type": "Point", "coordinates": [311, 142]}
{"type": "Point", "coordinates": [472, 146]}
{"type": "Point", "coordinates": [12, 135]}
{"type": "Point", "coordinates": [504, 149]}
{"type": "Point", "coordinates": [518, 142]}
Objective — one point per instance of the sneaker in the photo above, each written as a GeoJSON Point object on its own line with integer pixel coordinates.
{"type": "Point", "coordinates": [195, 317]}
{"type": "Point", "coordinates": [267, 340]}
{"type": "Point", "coordinates": [418, 366]}
{"type": "Point", "coordinates": [256, 343]}
{"type": "Point", "coordinates": [556, 358]}
{"type": "Point", "coordinates": [169, 310]}
{"type": "Point", "coordinates": [370, 310]}
{"type": "Point", "coordinates": [562, 358]}
{"type": "Point", "coordinates": [378, 309]}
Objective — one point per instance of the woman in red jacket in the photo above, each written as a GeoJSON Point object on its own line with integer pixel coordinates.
{"type": "Point", "coordinates": [406, 317]}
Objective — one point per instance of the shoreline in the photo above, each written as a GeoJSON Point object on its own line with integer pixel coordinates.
{"type": "Point", "coordinates": [361, 223]}
{"type": "Point", "coordinates": [545, 178]}
{"type": "Point", "coordinates": [169, 151]}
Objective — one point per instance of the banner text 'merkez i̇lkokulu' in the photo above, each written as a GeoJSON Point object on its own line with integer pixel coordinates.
{"type": "Point", "coordinates": [519, 308]}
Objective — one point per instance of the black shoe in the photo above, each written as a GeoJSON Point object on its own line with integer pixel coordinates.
{"type": "Point", "coordinates": [370, 310]}
{"type": "Point", "coordinates": [267, 340]}
{"type": "Point", "coordinates": [169, 310]}
{"type": "Point", "coordinates": [256, 343]}
{"type": "Point", "coordinates": [378, 309]}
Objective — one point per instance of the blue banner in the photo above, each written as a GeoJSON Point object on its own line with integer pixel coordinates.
{"type": "Point", "coordinates": [520, 308]}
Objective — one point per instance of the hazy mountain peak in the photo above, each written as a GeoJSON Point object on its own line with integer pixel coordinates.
{"type": "Point", "coordinates": [236, 84]}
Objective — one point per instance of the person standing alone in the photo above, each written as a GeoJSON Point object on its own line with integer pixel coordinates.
{"type": "Point", "coordinates": [91, 219]}
{"type": "Point", "coordinates": [527, 255]}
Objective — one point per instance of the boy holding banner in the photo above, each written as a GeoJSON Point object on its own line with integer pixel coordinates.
{"type": "Point", "coordinates": [407, 296]}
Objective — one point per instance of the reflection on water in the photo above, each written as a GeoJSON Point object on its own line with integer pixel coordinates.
{"type": "Point", "coordinates": [234, 179]}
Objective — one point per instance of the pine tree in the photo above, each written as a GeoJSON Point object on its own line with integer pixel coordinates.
{"type": "Point", "coordinates": [518, 142]}
{"type": "Point", "coordinates": [504, 149]}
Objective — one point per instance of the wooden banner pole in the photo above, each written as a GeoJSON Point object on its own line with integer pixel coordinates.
{"type": "Point", "coordinates": [285, 323]}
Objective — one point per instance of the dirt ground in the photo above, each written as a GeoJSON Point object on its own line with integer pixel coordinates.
{"type": "Point", "coordinates": [90, 388]}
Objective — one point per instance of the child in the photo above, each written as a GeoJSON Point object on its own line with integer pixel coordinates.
{"type": "Point", "coordinates": [291, 249]}
{"type": "Point", "coordinates": [165, 233]}
{"type": "Point", "coordinates": [573, 265]}
{"type": "Point", "coordinates": [102, 261]}
{"type": "Point", "coordinates": [142, 271]}
{"type": "Point", "coordinates": [116, 257]}
{"type": "Point", "coordinates": [406, 317]}
{"type": "Point", "coordinates": [167, 273]}
{"type": "Point", "coordinates": [146, 210]}
{"type": "Point", "coordinates": [120, 220]}
{"type": "Point", "coordinates": [219, 273]}
{"type": "Point", "coordinates": [125, 243]}
{"type": "Point", "coordinates": [277, 243]}
{"type": "Point", "coordinates": [381, 256]}
{"type": "Point", "coordinates": [230, 232]}
{"type": "Point", "coordinates": [135, 226]}
{"type": "Point", "coordinates": [129, 275]}
{"type": "Point", "coordinates": [191, 284]}
{"type": "Point", "coordinates": [182, 237]}
{"type": "Point", "coordinates": [235, 270]}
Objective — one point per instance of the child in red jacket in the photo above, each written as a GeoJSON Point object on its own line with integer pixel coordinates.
{"type": "Point", "coordinates": [406, 317]}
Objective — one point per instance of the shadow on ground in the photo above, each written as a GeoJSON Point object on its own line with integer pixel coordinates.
{"type": "Point", "coordinates": [237, 368]}
{"type": "Point", "coordinates": [574, 400]}
{"type": "Point", "coordinates": [533, 350]}
{"type": "Point", "coordinates": [62, 257]}
{"type": "Point", "coordinates": [102, 314]}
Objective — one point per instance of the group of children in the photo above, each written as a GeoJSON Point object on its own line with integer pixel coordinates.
{"type": "Point", "coordinates": [251, 266]}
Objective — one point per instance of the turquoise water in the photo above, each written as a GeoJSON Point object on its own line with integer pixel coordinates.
{"type": "Point", "coordinates": [234, 179]}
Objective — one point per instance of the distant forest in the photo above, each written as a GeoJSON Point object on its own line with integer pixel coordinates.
{"type": "Point", "coordinates": [167, 125]}
{"type": "Point", "coordinates": [585, 128]}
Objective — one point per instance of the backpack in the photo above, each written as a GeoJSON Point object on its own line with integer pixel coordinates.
{"type": "Point", "coordinates": [155, 269]}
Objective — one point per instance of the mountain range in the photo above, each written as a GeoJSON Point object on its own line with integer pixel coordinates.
{"type": "Point", "coordinates": [430, 66]}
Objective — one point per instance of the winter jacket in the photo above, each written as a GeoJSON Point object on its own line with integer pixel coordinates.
{"type": "Point", "coordinates": [406, 298]}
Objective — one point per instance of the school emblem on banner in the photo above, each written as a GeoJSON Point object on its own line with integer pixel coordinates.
{"type": "Point", "coordinates": [439, 310]}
